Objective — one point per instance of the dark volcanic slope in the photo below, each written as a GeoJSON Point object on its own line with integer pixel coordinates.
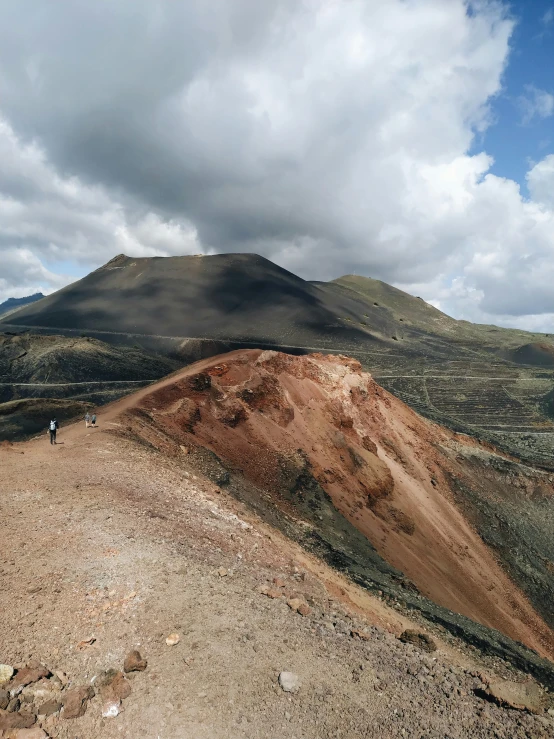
{"type": "Point", "coordinates": [241, 297]}
{"type": "Point", "coordinates": [42, 376]}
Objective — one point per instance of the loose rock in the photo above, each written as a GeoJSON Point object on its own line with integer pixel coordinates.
{"type": "Point", "coordinates": [75, 702]}
{"type": "Point", "coordinates": [50, 707]}
{"type": "Point", "coordinates": [418, 639]}
{"type": "Point", "coordinates": [172, 640]}
{"type": "Point", "coordinates": [6, 672]}
{"type": "Point", "coordinates": [111, 709]}
{"type": "Point", "coordinates": [522, 696]}
{"type": "Point", "coordinates": [4, 699]}
{"type": "Point", "coordinates": [35, 733]}
{"type": "Point", "coordinates": [289, 682]}
{"type": "Point", "coordinates": [16, 720]}
{"type": "Point", "coordinates": [300, 606]}
{"type": "Point", "coordinates": [28, 675]}
{"type": "Point", "coordinates": [134, 662]}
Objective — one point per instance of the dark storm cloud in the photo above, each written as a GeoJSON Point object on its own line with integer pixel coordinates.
{"type": "Point", "coordinates": [329, 136]}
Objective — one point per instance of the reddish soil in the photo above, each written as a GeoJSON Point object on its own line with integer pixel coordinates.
{"type": "Point", "coordinates": [113, 545]}
{"type": "Point", "coordinates": [383, 466]}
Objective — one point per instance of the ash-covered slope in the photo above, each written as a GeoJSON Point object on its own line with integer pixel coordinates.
{"type": "Point", "coordinates": [239, 297]}
{"type": "Point", "coordinates": [319, 449]}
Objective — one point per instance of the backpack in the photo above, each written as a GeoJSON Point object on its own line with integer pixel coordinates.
{"type": "Point", "coordinates": [52, 425]}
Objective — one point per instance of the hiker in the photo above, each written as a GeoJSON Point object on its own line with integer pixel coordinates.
{"type": "Point", "coordinates": [93, 419]}
{"type": "Point", "coordinates": [87, 419]}
{"type": "Point", "coordinates": [54, 426]}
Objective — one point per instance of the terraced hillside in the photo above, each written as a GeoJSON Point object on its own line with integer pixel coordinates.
{"type": "Point", "coordinates": [41, 376]}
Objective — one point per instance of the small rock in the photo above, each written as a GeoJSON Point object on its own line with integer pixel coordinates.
{"type": "Point", "coordinates": [14, 705]}
{"type": "Point", "coordinates": [300, 606]}
{"type": "Point", "coordinates": [35, 733]}
{"type": "Point", "coordinates": [134, 662]}
{"type": "Point", "coordinates": [111, 708]}
{"type": "Point", "coordinates": [28, 675]}
{"type": "Point", "coordinates": [279, 582]}
{"type": "Point", "coordinates": [84, 643]}
{"type": "Point", "coordinates": [289, 682]}
{"type": "Point", "coordinates": [75, 702]}
{"type": "Point", "coordinates": [364, 636]}
{"type": "Point", "coordinates": [270, 592]}
{"type": "Point", "coordinates": [6, 672]}
{"type": "Point", "coordinates": [222, 572]}
{"type": "Point", "coordinates": [62, 677]}
{"type": "Point", "coordinates": [4, 699]}
{"type": "Point", "coordinates": [172, 640]}
{"type": "Point", "coordinates": [50, 707]}
{"type": "Point", "coordinates": [119, 688]}
{"type": "Point", "coordinates": [418, 639]}
{"type": "Point", "coordinates": [16, 720]}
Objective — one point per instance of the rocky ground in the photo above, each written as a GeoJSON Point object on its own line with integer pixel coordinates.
{"type": "Point", "coordinates": [108, 547]}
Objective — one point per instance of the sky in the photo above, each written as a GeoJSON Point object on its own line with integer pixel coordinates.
{"type": "Point", "coordinates": [407, 140]}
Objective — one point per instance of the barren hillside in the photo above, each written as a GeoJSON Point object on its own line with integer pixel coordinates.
{"type": "Point", "coordinates": [216, 522]}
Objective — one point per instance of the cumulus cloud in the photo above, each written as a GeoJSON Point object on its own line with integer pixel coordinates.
{"type": "Point", "coordinates": [331, 137]}
{"type": "Point", "coordinates": [535, 103]}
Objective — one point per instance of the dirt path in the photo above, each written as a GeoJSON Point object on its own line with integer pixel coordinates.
{"type": "Point", "coordinates": [103, 539]}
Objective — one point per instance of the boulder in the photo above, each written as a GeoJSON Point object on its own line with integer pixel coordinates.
{"type": "Point", "coordinates": [522, 696]}
{"type": "Point", "coordinates": [418, 639]}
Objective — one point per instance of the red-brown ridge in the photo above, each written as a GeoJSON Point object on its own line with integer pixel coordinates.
{"type": "Point", "coordinates": [385, 468]}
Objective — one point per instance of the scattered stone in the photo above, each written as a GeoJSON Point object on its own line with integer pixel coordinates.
{"type": "Point", "coordinates": [50, 707]}
{"type": "Point", "coordinates": [111, 708]}
{"type": "Point", "coordinates": [522, 696]}
{"type": "Point", "coordinates": [270, 592]}
{"type": "Point", "coordinates": [6, 673]}
{"type": "Point", "coordinates": [222, 572]}
{"type": "Point", "coordinates": [363, 635]}
{"type": "Point", "coordinates": [300, 606]}
{"type": "Point", "coordinates": [16, 720]}
{"type": "Point", "coordinates": [4, 699]}
{"type": "Point", "coordinates": [86, 643]}
{"type": "Point", "coordinates": [289, 682]}
{"type": "Point", "coordinates": [418, 639]}
{"type": "Point", "coordinates": [62, 677]}
{"type": "Point", "coordinates": [28, 675]}
{"type": "Point", "coordinates": [75, 702]}
{"type": "Point", "coordinates": [134, 662]}
{"type": "Point", "coordinates": [35, 733]}
{"type": "Point", "coordinates": [279, 582]}
{"type": "Point", "coordinates": [14, 705]}
{"type": "Point", "coordinates": [114, 686]}
{"type": "Point", "coordinates": [172, 640]}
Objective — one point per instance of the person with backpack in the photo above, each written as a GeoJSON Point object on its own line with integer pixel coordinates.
{"type": "Point", "coordinates": [53, 428]}
{"type": "Point", "coordinates": [93, 420]}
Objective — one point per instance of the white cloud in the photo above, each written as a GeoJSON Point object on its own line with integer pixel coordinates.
{"type": "Point", "coordinates": [548, 18]}
{"type": "Point", "coordinates": [46, 218]}
{"type": "Point", "coordinates": [540, 181]}
{"type": "Point", "coordinates": [535, 103]}
{"type": "Point", "coordinates": [332, 137]}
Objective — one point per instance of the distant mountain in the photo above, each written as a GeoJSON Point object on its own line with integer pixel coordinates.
{"type": "Point", "coordinates": [490, 382]}
{"type": "Point", "coordinates": [12, 303]}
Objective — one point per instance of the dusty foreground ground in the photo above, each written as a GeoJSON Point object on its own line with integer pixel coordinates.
{"type": "Point", "coordinates": [104, 541]}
